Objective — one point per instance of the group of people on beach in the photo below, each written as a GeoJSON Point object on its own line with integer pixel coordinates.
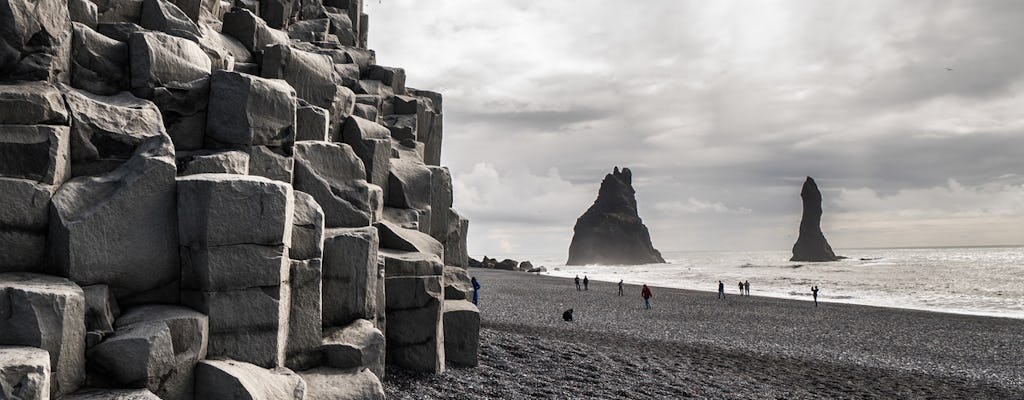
{"type": "Point", "coordinates": [586, 283]}
{"type": "Point", "coordinates": [645, 291]}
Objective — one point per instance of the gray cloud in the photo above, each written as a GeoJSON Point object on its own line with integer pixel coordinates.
{"type": "Point", "coordinates": [722, 105]}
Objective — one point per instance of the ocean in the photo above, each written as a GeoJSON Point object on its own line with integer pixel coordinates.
{"type": "Point", "coordinates": [968, 280]}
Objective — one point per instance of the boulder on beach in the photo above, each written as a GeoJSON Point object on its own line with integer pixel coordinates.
{"type": "Point", "coordinates": [611, 231]}
{"type": "Point", "coordinates": [811, 244]}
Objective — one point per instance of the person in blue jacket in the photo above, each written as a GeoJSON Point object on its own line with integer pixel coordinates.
{"type": "Point", "coordinates": [476, 290]}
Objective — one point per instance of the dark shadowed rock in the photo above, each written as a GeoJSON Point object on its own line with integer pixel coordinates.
{"type": "Point", "coordinates": [611, 231]}
{"type": "Point", "coordinates": [155, 347]}
{"type": "Point", "coordinates": [811, 244]}
{"type": "Point", "coordinates": [99, 64]}
{"type": "Point", "coordinates": [34, 40]}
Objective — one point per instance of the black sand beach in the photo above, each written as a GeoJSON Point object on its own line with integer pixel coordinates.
{"type": "Point", "coordinates": [693, 345]}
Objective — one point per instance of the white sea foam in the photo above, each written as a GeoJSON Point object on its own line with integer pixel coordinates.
{"type": "Point", "coordinates": [974, 280]}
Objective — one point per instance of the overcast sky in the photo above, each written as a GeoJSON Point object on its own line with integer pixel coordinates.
{"type": "Point", "coordinates": [909, 115]}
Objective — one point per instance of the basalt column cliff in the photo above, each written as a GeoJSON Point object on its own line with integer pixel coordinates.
{"type": "Point", "coordinates": [611, 232]}
{"type": "Point", "coordinates": [811, 244]}
{"type": "Point", "coordinates": [219, 199]}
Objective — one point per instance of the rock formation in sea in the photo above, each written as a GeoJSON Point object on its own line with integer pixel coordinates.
{"type": "Point", "coordinates": [811, 244]}
{"type": "Point", "coordinates": [214, 199]}
{"type": "Point", "coordinates": [611, 231]}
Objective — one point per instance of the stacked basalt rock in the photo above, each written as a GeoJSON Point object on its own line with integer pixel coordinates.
{"type": "Point", "coordinates": [212, 199]}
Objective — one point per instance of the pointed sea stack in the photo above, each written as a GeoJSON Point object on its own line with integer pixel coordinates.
{"type": "Point", "coordinates": [611, 232]}
{"type": "Point", "coordinates": [811, 245]}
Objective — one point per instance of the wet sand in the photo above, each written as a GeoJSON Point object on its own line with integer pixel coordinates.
{"type": "Point", "coordinates": [694, 345]}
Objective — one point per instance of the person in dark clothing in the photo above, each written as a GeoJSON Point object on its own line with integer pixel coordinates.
{"type": "Point", "coordinates": [741, 288]}
{"type": "Point", "coordinates": [476, 290]}
{"type": "Point", "coordinates": [746, 286]}
{"type": "Point", "coordinates": [646, 294]}
{"type": "Point", "coordinates": [567, 315]}
{"type": "Point", "coordinates": [586, 283]}
{"type": "Point", "coordinates": [620, 287]}
{"type": "Point", "coordinates": [814, 292]}
{"type": "Point", "coordinates": [577, 283]}
{"type": "Point", "coordinates": [721, 290]}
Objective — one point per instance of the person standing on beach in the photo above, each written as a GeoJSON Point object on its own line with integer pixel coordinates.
{"type": "Point", "coordinates": [646, 294]}
{"type": "Point", "coordinates": [586, 283]}
{"type": "Point", "coordinates": [476, 290]}
{"type": "Point", "coordinates": [620, 287]}
{"type": "Point", "coordinates": [746, 286]}
{"type": "Point", "coordinates": [721, 290]}
{"type": "Point", "coordinates": [577, 283]}
{"type": "Point", "coordinates": [814, 292]}
{"type": "Point", "coordinates": [741, 288]}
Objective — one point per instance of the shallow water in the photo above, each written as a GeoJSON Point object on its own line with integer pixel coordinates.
{"type": "Point", "coordinates": [970, 280]}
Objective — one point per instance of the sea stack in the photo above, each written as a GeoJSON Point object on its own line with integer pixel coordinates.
{"type": "Point", "coordinates": [611, 232]}
{"type": "Point", "coordinates": [811, 245]}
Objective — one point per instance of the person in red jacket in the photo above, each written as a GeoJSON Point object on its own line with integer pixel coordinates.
{"type": "Point", "coordinates": [646, 294]}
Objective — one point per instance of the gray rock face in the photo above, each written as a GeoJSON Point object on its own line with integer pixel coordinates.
{"type": "Point", "coordinates": [106, 131]}
{"type": "Point", "coordinates": [314, 78]}
{"type": "Point", "coordinates": [162, 60]}
{"type": "Point", "coordinates": [93, 220]}
{"type": "Point", "coordinates": [193, 8]}
{"type": "Point", "coordinates": [155, 347]}
{"type": "Point", "coordinates": [337, 384]}
{"type": "Point", "coordinates": [358, 345]}
{"type": "Point", "coordinates": [250, 110]}
{"type": "Point", "coordinates": [269, 163]}
{"type": "Point", "coordinates": [49, 313]}
{"type": "Point", "coordinates": [811, 244]}
{"type": "Point", "coordinates": [409, 185]}
{"type": "Point", "coordinates": [24, 373]}
{"type": "Point", "coordinates": [99, 64]}
{"type": "Point", "coordinates": [36, 40]}
{"type": "Point", "coordinates": [371, 142]}
{"type": "Point", "coordinates": [104, 104]}
{"type": "Point", "coordinates": [230, 379]}
{"type": "Point", "coordinates": [398, 238]}
{"type": "Point", "coordinates": [441, 200]}
{"type": "Point", "coordinates": [112, 394]}
{"type": "Point", "coordinates": [311, 122]}
{"type": "Point", "coordinates": [252, 31]}
{"type": "Point", "coordinates": [307, 229]}
{"type": "Point", "coordinates": [415, 334]}
{"type": "Point", "coordinates": [455, 251]}
{"type": "Point", "coordinates": [222, 209]}
{"type": "Point", "coordinates": [35, 152]}
{"type": "Point", "coordinates": [166, 17]}
{"type": "Point", "coordinates": [83, 11]}
{"type": "Point", "coordinates": [119, 10]}
{"type": "Point", "coordinates": [457, 284]}
{"type": "Point", "coordinates": [250, 324]}
{"type": "Point", "coordinates": [406, 263]}
{"type": "Point", "coordinates": [350, 275]}
{"type": "Point", "coordinates": [213, 162]}
{"type": "Point", "coordinates": [173, 73]}
{"type": "Point", "coordinates": [235, 231]}
{"type": "Point", "coordinates": [306, 315]}
{"type": "Point", "coordinates": [100, 309]}
{"type": "Point", "coordinates": [232, 267]}
{"type": "Point", "coordinates": [32, 103]}
{"type": "Point", "coordinates": [461, 332]}
{"type": "Point", "coordinates": [334, 176]}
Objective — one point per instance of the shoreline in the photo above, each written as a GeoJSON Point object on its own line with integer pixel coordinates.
{"type": "Point", "coordinates": [821, 299]}
{"type": "Point", "coordinates": [693, 345]}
